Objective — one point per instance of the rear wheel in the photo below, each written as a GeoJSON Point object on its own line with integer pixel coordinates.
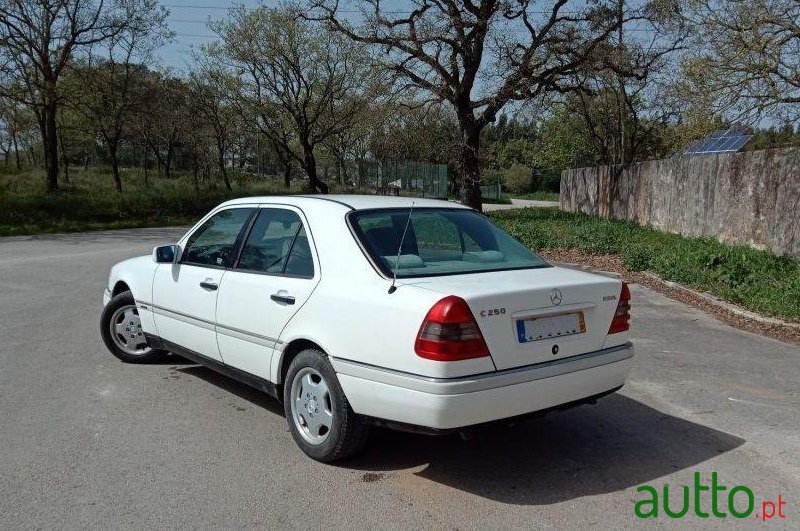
{"type": "Point", "coordinates": [121, 330]}
{"type": "Point", "coordinates": [320, 418]}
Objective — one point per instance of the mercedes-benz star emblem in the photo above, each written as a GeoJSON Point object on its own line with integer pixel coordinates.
{"type": "Point", "coordinates": [555, 297]}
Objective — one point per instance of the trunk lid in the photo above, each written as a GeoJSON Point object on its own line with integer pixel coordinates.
{"type": "Point", "coordinates": [554, 304]}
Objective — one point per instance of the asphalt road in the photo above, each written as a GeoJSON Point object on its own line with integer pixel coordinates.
{"type": "Point", "coordinates": [87, 441]}
{"type": "Point", "coordinates": [520, 203]}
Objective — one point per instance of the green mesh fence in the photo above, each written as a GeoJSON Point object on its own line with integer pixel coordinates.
{"type": "Point", "coordinates": [400, 177]}
{"type": "Point", "coordinates": [492, 187]}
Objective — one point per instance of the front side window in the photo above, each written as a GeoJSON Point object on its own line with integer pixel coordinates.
{"type": "Point", "coordinates": [277, 244]}
{"type": "Point", "coordinates": [214, 242]}
{"type": "Point", "coordinates": [439, 241]}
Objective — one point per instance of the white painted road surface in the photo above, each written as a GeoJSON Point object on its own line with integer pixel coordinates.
{"type": "Point", "coordinates": [89, 442]}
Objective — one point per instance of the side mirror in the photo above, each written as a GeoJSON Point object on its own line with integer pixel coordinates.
{"type": "Point", "coordinates": [166, 254]}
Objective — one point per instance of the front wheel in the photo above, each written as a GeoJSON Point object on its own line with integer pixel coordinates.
{"type": "Point", "coordinates": [121, 330]}
{"type": "Point", "coordinates": [320, 418]}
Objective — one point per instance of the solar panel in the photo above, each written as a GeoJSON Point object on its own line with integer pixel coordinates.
{"type": "Point", "coordinates": [723, 141]}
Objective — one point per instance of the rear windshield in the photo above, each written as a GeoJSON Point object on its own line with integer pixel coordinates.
{"type": "Point", "coordinates": [439, 241]}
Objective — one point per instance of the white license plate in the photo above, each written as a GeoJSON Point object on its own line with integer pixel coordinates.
{"type": "Point", "coordinates": [550, 327]}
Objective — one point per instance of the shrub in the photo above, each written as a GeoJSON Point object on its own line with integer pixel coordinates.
{"type": "Point", "coordinates": [518, 179]}
{"type": "Point", "coordinates": [757, 280]}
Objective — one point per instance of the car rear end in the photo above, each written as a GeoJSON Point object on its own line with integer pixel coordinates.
{"type": "Point", "coordinates": [546, 355]}
{"type": "Point", "coordinates": [554, 336]}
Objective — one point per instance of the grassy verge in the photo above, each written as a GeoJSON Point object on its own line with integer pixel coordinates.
{"type": "Point", "coordinates": [756, 280]}
{"type": "Point", "coordinates": [537, 196]}
{"type": "Point", "coordinates": [90, 202]}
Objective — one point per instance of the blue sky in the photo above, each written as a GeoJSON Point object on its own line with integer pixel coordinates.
{"type": "Point", "coordinates": [188, 20]}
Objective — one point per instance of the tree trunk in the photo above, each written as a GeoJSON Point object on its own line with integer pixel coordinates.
{"type": "Point", "coordinates": [65, 164]}
{"type": "Point", "coordinates": [310, 167]}
{"type": "Point", "coordinates": [168, 160]}
{"type": "Point", "coordinates": [144, 165]}
{"type": "Point", "coordinates": [195, 173]}
{"type": "Point", "coordinates": [50, 145]}
{"type": "Point", "coordinates": [64, 161]}
{"type": "Point", "coordinates": [344, 179]}
{"type": "Point", "coordinates": [222, 169]}
{"type": "Point", "coordinates": [287, 174]}
{"type": "Point", "coordinates": [469, 165]}
{"type": "Point", "coordinates": [16, 150]}
{"type": "Point", "coordinates": [112, 155]}
{"type": "Point", "coordinates": [286, 164]}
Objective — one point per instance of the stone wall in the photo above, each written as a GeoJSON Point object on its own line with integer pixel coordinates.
{"type": "Point", "coordinates": [749, 198]}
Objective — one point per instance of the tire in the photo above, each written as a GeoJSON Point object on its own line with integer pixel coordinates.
{"type": "Point", "coordinates": [126, 327]}
{"type": "Point", "coordinates": [312, 396]}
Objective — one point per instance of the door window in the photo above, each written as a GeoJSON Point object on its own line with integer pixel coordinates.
{"type": "Point", "coordinates": [300, 263]}
{"type": "Point", "coordinates": [277, 244]}
{"type": "Point", "coordinates": [214, 243]}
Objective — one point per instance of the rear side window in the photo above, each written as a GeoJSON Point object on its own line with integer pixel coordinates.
{"type": "Point", "coordinates": [214, 243]}
{"type": "Point", "coordinates": [277, 244]}
{"type": "Point", "coordinates": [439, 241]}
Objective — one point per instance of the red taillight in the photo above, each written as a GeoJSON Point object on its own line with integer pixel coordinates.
{"type": "Point", "coordinates": [622, 317]}
{"type": "Point", "coordinates": [450, 333]}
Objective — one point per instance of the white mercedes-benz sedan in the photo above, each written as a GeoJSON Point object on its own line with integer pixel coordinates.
{"type": "Point", "coordinates": [414, 314]}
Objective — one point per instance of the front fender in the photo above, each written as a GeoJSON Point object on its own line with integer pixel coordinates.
{"type": "Point", "coordinates": [137, 275]}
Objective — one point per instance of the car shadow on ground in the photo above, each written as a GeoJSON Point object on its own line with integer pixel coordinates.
{"type": "Point", "coordinates": [254, 396]}
{"type": "Point", "coordinates": [171, 359]}
{"type": "Point", "coordinates": [593, 449]}
{"type": "Point", "coordinates": [613, 445]}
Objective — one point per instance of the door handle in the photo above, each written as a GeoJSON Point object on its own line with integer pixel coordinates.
{"type": "Point", "coordinates": [210, 286]}
{"type": "Point", "coordinates": [282, 299]}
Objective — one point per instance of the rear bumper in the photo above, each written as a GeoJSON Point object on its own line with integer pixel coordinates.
{"type": "Point", "coordinates": [447, 403]}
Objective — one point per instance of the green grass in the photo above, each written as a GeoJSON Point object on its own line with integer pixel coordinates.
{"type": "Point", "coordinates": [756, 280]}
{"type": "Point", "coordinates": [536, 196]}
{"type": "Point", "coordinates": [90, 202]}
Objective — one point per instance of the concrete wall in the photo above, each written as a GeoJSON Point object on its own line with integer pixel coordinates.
{"type": "Point", "coordinates": [750, 198]}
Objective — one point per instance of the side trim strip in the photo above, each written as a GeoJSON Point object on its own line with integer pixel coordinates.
{"type": "Point", "coordinates": [179, 316]}
{"type": "Point", "coordinates": [484, 381]}
{"type": "Point", "coordinates": [247, 336]}
{"type": "Point", "coordinates": [208, 325]}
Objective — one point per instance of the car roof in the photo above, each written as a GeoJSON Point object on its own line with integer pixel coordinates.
{"type": "Point", "coordinates": [351, 202]}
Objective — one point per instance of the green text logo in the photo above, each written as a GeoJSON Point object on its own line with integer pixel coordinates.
{"type": "Point", "coordinates": [738, 501]}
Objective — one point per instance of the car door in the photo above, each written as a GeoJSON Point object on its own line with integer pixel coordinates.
{"type": "Point", "coordinates": [185, 293]}
{"type": "Point", "coordinates": [275, 274]}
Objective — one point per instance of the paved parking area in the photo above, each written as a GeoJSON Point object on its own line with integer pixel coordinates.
{"type": "Point", "coordinates": [87, 441]}
{"type": "Point", "coordinates": [520, 203]}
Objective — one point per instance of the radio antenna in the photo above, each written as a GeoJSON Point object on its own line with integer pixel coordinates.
{"type": "Point", "coordinates": [393, 287]}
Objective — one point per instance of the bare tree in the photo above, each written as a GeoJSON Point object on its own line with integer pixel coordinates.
{"type": "Point", "coordinates": [40, 38]}
{"type": "Point", "coordinates": [440, 48]}
{"type": "Point", "coordinates": [162, 116]}
{"type": "Point", "coordinates": [295, 79]}
{"type": "Point", "coordinates": [12, 124]}
{"type": "Point", "coordinates": [210, 88]}
{"type": "Point", "coordinates": [747, 58]}
{"type": "Point", "coordinates": [621, 98]}
{"type": "Point", "coordinates": [106, 93]}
